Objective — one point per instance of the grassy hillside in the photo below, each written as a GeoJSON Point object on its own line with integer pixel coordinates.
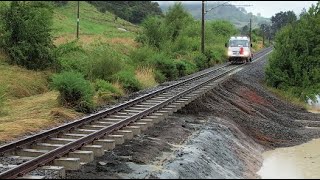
{"type": "Point", "coordinates": [110, 60]}
{"type": "Point", "coordinates": [29, 103]}
{"type": "Point", "coordinates": [92, 22]}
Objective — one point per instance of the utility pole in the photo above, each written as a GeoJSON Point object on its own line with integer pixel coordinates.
{"type": "Point", "coordinates": [250, 31]}
{"type": "Point", "coordinates": [263, 35]}
{"type": "Point", "coordinates": [202, 29]}
{"type": "Point", "coordinates": [202, 22]}
{"type": "Point", "coordinates": [78, 20]}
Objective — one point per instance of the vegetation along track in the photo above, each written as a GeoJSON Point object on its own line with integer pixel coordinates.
{"type": "Point", "coordinates": [69, 146]}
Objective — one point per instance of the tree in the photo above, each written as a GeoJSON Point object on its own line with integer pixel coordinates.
{"type": "Point", "coordinates": [303, 11]}
{"type": "Point", "coordinates": [294, 65]}
{"type": "Point", "coordinates": [132, 11]}
{"type": "Point", "coordinates": [245, 30]}
{"type": "Point", "coordinates": [176, 19]}
{"type": "Point", "coordinates": [60, 3]}
{"type": "Point", "coordinates": [26, 34]}
{"type": "Point", "coordinates": [281, 19]}
{"type": "Point", "coordinates": [265, 32]}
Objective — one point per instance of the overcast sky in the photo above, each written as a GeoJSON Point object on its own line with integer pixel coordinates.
{"type": "Point", "coordinates": [266, 8]}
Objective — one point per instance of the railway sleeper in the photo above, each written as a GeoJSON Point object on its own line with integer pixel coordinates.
{"type": "Point", "coordinates": [149, 122]}
{"type": "Point", "coordinates": [94, 127]}
{"type": "Point", "coordinates": [156, 101]}
{"type": "Point", "coordinates": [71, 136]}
{"type": "Point", "coordinates": [107, 144]}
{"type": "Point", "coordinates": [109, 119]}
{"type": "Point", "coordinates": [125, 113]}
{"type": "Point", "coordinates": [144, 106]}
{"type": "Point", "coordinates": [126, 133]}
{"type": "Point", "coordinates": [46, 146]}
{"type": "Point", "coordinates": [132, 111]}
{"type": "Point", "coordinates": [138, 108]}
{"type": "Point", "coordinates": [98, 150]}
{"type": "Point", "coordinates": [60, 140]}
{"type": "Point", "coordinates": [119, 116]}
{"type": "Point", "coordinates": [119, 139]}
{"type": "Point", "coordinates": [82, 131]}
{"type": "Point", "coordinates": [31, 152]}
{"type": "Point", "coordinates": [161, 98]}
{"type": "Point", "coordinates": [68, 163]}
{"type": "Point", "coordinates": [103, 123]}
{"type": "Point", "coordinates": [85, 156]}
{"type": "Point", "coordinates": [142, 125]}
{"type": "Point", "coordinates": [136, 130]}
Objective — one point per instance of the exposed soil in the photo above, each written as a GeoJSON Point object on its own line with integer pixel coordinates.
{"type": "Point", "coordinates": [220, 135]}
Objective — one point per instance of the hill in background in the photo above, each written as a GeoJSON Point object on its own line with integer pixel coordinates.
{"type": "Point", "coordinates": [237, 15]}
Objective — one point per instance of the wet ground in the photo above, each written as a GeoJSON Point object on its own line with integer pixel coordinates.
{"type": "Point", "coordinates": [297, 162]}
{"type": "Point", "coordinates": [220, 135]}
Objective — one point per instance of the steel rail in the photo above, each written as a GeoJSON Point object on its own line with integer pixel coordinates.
{"type": "Point", "coordinates": [59, 152]}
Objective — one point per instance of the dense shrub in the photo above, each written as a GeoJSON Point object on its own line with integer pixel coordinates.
{"type": "Point", "coordinates": [128, 80]}
{"type": "Point", "coordinates": [142, 55]}
{"type": "Point", "coordinates": [98, 63]}
{"type": "Point", "coordinates": [153, 32]}
{"type": "Point", "coordinates": [74, 90]}
{"type": "Point", "coordinates": [298, 71]}
{"type": "Point", "coordinates": [177, 18]}
{"type": "Point", "coordinates": [181, 67]}
{"type": "Point", "coordinates": [165, 65]}
{"type": "Point", "coordinates": [105, 65]}
{"type": "Point", "coordinates": [104, 86]}
{"type": "Point", "coordinates": [26, 37]}
{"type": "Point", "coordinates": [67, 63]}
{"type": "Point", "coordinates": [191, 67]}
{"type": "Point", "coordinates": [215, 54]}
{"type": "Point", "coordinates": [106, 91]}
{"type": "Point", "coordinates": [201, 61]}
{"type": "Point", "coordinates": [160, 78]}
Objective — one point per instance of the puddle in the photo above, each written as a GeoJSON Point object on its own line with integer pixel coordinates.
{"type": "Point", "coordinates": [297, 162]}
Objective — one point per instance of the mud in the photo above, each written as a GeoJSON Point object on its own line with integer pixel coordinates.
{"type": "Point", "coordinates": [220, 135]}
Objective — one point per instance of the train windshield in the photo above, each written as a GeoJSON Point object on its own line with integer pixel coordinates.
{"type": "Point", "coordinates": [239, 43]}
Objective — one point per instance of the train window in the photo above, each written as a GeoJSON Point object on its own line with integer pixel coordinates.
{"type": "Point", "coordinates": [236, 43]}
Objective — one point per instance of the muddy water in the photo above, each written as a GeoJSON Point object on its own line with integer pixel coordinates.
{"type": "Point", "coordinates": [302, 161]}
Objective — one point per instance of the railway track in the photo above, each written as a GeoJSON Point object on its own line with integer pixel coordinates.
{"type": "Point", "coordinates": [72, 145]}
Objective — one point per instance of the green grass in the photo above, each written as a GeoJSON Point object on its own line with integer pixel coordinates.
{"type": "Point", "coordinates": [20, 82]}
{"type": "Point", "coordinates": [92, 22]}
{"type": "Point", "coordinates": [286, 96]}
{"type": "Point", "coordinates": [29, 105]}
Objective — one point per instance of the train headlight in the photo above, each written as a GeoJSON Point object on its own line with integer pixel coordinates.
{"type": "Point", "coordinates": [229, 53]}
{"type": "Point", "coordinates": [246, 53]}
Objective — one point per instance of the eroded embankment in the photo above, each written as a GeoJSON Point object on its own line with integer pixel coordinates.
{"type": "Point", "coordinates": [221, 135]}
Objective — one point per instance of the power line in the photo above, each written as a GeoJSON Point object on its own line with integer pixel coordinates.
{"type": "Point", "coordinates": [206, 11]}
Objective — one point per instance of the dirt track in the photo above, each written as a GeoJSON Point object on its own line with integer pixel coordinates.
{"type": "Point", "coordinates": [220, 135]}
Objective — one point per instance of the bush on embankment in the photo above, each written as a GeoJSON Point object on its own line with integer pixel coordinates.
{"type": "Point", "coordinates": [294, 65]}
{"type": "Point", "coordinates": [74, 90]}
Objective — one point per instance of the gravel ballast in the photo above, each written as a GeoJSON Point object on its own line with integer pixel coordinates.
{"type": "Point", "coordinates": [219, 135]}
